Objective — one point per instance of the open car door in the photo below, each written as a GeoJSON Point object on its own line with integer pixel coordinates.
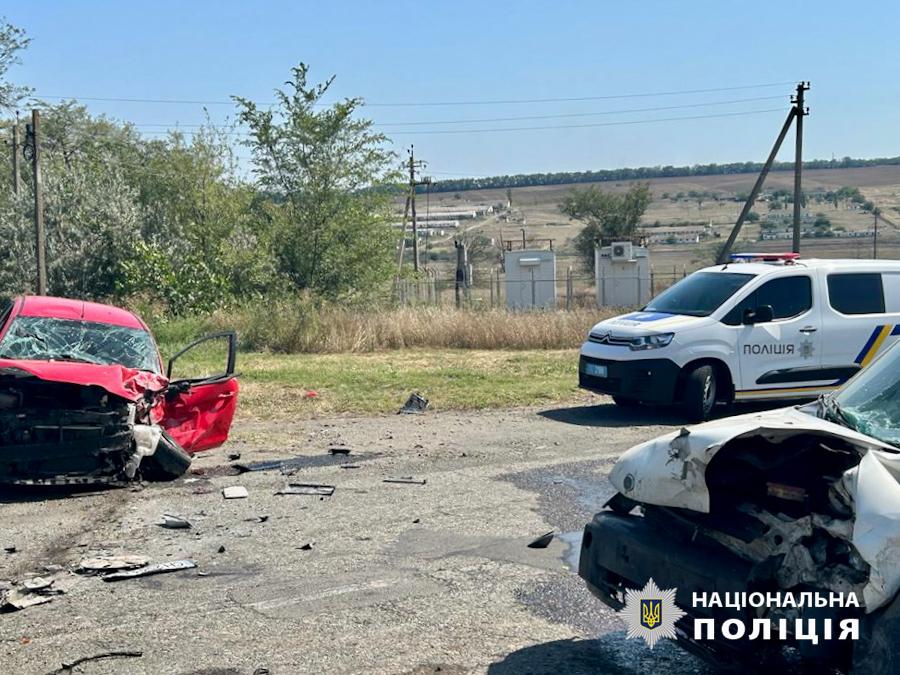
{"type": "Point", "coordinates": [202, 395]}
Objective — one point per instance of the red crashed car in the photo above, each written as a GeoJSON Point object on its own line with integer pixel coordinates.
{"type": "Point", "coordinates": [84, 398]}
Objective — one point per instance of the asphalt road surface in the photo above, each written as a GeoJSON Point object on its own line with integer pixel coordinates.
{"type": "Point", "coordinates": [379, 577]}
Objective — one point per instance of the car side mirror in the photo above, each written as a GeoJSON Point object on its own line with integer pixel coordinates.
{"type": "Point", "coordinates": [762, 314]}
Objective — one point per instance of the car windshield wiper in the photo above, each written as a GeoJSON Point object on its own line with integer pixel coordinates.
{"type": "Point", "coordinates": [834, 412]}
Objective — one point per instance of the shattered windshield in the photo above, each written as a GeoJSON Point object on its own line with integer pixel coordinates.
{"type": "Point", "coordinates": [48, 339]}
{"type": "Point", "coordinates": [700, 294]}
{"type": "Point", "coordinates": [870, 402]}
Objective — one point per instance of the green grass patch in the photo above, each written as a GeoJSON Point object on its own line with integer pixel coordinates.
{"type": "Point", "coordinates": [277, 386]}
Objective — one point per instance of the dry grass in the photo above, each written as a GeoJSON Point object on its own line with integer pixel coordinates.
{"type": "Point", "coordinates": [297, 327]}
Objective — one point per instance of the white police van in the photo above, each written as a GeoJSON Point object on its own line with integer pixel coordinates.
{"type": "Point", "coordinates": [761, 327]}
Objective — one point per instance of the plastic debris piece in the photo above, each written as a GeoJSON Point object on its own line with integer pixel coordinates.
{"type": "Point", "coordinates": [235, 492]}
{"type": "Point", "coordinates": [234, 456]}
{"type": "Point", "coordinates": [111, 563]}
{"type": "Point", "coordinates": [38, 583]}
{"type": "Point", "coordinates": [350, 466]}
{"type": "Point", "coordinates": [339, 450]}
{"type": "Point", "coordinates": [159, 568]}
{"type": "Point", "coordinates": [415, 404]}
{"type": "Point", "coordinates": [306, 547]}
{"type": "Point", "coordinates": [20, 599]}
{"type": "Point", "coordinates": [543, 541]}
{"type": "Point", "coordinates": [171, 522]}
{"type": "Point", "coordinates": [307, 489]}
{"type": "Point", "coordinates": [406, 480]}
{"type": "Point", "coordinates": [310, 394]}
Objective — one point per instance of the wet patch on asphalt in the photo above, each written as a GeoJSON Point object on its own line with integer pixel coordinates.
{"type": "Point", "coordinates": [568, 497]}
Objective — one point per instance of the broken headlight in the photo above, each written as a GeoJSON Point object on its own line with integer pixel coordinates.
{"type": "Point", "coordinates": [650, 341]}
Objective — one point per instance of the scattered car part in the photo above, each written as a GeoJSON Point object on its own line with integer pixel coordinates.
{"type": "Point", "coordinates": [543, 541]}
{"type": "Point", "coordinates": [159, 568]}
{"type": "Point", "coordinates": [307, 489]}
{"type": "Point", "coordinates": [415, 404]}
{"type": "Point", "coordinates": [171, 522]}
{"type": "Point", "coordinates": [17, 599]}
{"type": "Point", "coordinates": [103, 564]}
{"type": "Point", "coordinates": [235, 492]}
{"type": "Point", "coordinates": [406, 480]}
{"type": "Point", "coordinates": [339, 450]}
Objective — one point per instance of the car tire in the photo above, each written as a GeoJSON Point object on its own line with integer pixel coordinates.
{"type": "Point", "coordinates": [624, 402]}
{"type": "Point", "coordinates": [169, 462]}
{"type": "Point", "coordinates": [700, 388]}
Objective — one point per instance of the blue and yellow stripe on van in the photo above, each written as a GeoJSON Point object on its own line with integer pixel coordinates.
{"type": "Point", "coordinates": [875, 342]}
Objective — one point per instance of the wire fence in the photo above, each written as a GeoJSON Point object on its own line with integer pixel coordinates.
{"type": "Point", "coordinates": [493, 289]}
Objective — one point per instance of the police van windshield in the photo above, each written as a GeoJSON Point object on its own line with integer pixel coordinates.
{"type": "Point", "coordinates": [700, 294]}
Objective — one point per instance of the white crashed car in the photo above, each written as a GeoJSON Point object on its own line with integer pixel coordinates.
{"type": "Point", "coordinates": [797, 500]}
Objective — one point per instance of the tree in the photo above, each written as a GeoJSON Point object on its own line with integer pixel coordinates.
{"type": "Point", "coordinates": [326, 172]}
{"type": "Point", "coordinates": [12, 41]}
{"type": "Point", "coordinates": [752, 217]}
{"type": "Point", "coordinates": [607, 215]}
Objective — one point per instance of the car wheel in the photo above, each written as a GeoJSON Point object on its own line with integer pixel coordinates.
{"type": "Point", "coordinates": [624, 402]}
{"type": "Point", "coordinates": [699, 393]}
{"type": "Point", "coordinates": [169, 462]}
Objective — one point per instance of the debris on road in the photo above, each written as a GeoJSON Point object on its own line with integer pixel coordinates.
{"type": "Point", "coordinates": [234, 456]}
{"type": "Point", "coordinates": [307, 489]}
{"type": "Point", "coordinates": [406, 480]}
{"type": "Point", "coordinates": [20, 599]}
{"type": "Point", "coordinates": [222, 549]}
{"type": "Point", "coordinates": [235, 492]}
{"type": "Point", "coordinates": [38, 583]}
{"type": "Point", "coordinates": [70, 666]}
{"type": "Point", "coordinates": [159, 568]}
{"type": "Point", "coordinates": [349, 466]}
{"type": "Point", "coordinates": [9, 549]}
{"type": "Point", "coordinates": [339, 450]}
{"type": "Point", "coordinates": [306, 547]}
{"type": "Point", "coordinates": [543, 541]}
{"type": "Point", "coordinates": [415, 404]}
{"type": "Point", "coordinates": [171, 522]}
{"type": "Point", "coordinates": [104, 564]}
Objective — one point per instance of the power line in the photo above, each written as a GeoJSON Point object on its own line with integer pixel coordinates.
{"type": "Point", "coordinates": [178, 125]}
{"type": "Point", "coordinates": [431, 132]}
{"type": "Point", "coordinates": [116, 99]}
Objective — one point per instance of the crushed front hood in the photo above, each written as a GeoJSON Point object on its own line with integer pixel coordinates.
{"type": "Point", "coordinates": [127, 383]}
{"type": "Point", "coordinates": [671, 471]}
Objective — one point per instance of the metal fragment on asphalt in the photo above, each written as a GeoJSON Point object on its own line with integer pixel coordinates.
{"type": "Point", "coordinates": [407, 480]}
{"type": "Point", "coordinates": [235, 492]}
{"type": "Point", "coordinates": [111, 563]}
{"type": "Point", "coordinates": [307, 489]}
{"type": "Point", "coordinates": [159, 568]}
{"type": "Point", "coordinates": [543, 541]}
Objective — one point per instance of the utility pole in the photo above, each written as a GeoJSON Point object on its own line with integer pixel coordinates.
{"type": "Point", "coordinates": [17, 174]}
{"type": "Point", "coordinates": [797, 112]}
{"type": "Point", "coordinates": [875, 238]}
{"type": "Point", "coordinates": [413, 165]}
{"type": "Point", "coordinates": [33, 148]}
{"type": "Point", "coordinates": [800, 113]}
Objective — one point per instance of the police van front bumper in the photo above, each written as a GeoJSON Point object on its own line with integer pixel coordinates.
{"type": "Point", "coordinates": [646, 380]}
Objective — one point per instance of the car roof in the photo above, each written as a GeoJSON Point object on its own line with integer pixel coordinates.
{"type": "Point", "coordinates": [828, 264]}
{"type": "Point", "coordinates": [77, 310]}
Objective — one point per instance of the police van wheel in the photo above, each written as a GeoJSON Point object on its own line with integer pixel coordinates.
{"type": "Point", "coordinates": [699, 393]}
{"type": "Point", "coordinates": [624, 402]}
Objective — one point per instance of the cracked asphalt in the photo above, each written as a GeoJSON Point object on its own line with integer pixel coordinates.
{"type": "Point", "coordinates": [378, 578]}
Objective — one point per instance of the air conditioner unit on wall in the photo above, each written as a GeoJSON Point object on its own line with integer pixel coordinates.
{"type": "Point", "coordinates": [620, 250]}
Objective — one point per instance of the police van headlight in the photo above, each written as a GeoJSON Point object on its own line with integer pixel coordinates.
{"type": "Point", "coordinates": [650, 341]}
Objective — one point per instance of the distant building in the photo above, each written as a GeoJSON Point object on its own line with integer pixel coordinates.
{"type": "Point", "coordinates": [677, 234]}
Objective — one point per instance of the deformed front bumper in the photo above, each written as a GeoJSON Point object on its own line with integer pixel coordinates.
{"type": "Point", "coordinates": [647, 380]}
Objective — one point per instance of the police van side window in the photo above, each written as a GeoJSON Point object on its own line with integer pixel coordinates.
{"type": "Point", "coordinates": [788, 297]}
{"type": "Point", "coordinates": [856, 293]}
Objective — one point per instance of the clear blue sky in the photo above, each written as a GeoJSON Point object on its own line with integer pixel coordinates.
{"type": "Point", "coordinates": [399, 51]}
